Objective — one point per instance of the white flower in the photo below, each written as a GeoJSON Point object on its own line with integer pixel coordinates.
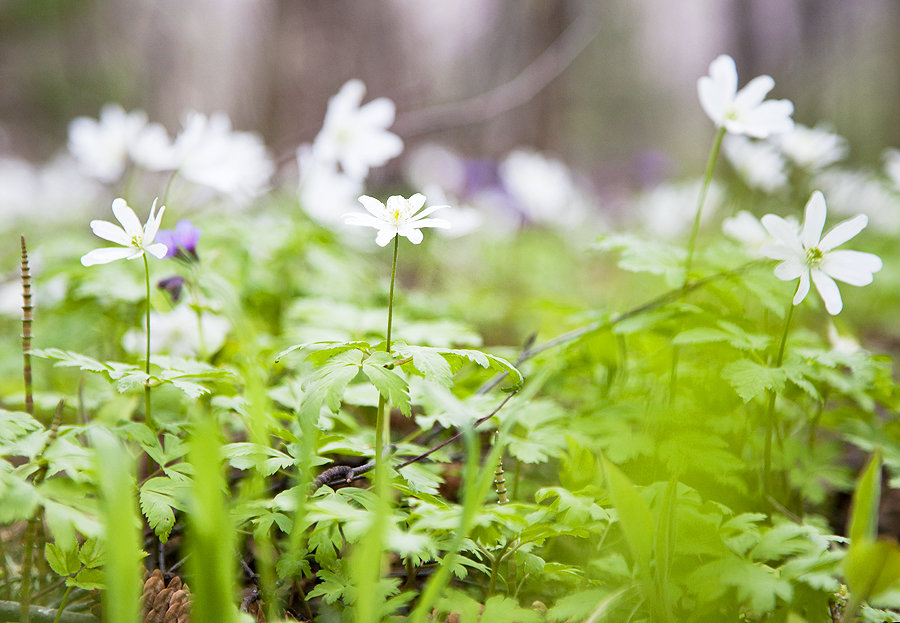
{"type": "Point", "coordinates": [849, 189]}
{"type": "Point", "coordinates": [667, 211]}
{"type": "Point", "coordinates": [209, 153]}
{"type": "Point", "coordinates": [325, 193]}
{"type": "Point", "coordinates": [744, 111]}
{"type": "Point", "coordinates": [356, 136]}
{"type": "Point", "coordinates": [104, 147]}
{"type": "Point", "coordinates": [757, 162]}
{"type": "Point", "coordinates": [400, 217]}
{"type": "Point", "coordinates": [542, 188]}
{"type": "Point", "coordinates": [809, 255]}
{"type": "Point", "coordinates": [892, 166]}
{"type": "Point", "coordinates": [180, 333]}
{"type": "Point", "coordinates": [746, 228]}
{"type": "Point", "coordinates": [812, 148]}
{"type": "Point", "coordinates": [135, 240]}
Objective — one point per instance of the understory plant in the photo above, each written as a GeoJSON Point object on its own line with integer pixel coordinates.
{"type": "Point", "coordinates": [522, 429]}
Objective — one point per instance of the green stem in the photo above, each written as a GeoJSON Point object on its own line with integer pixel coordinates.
{"type": "Point", "coordinates": [707, 180]}
{"type": "Point", "coordinates": [382, 423]}
{"type": "Point", "coordinates": [770, 412]}
{"type": "Point", "coordinates": [62, 604]}
{"type": "Point", "coordinates": [387, 346]}
{"type": "Point", "coordinates": [148, 415]}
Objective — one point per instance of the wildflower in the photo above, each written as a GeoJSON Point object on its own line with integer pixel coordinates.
{"type": "Point", "coordinates": [746, 229]}
{"type": "Point", "coordinates": [135, 241]}
{"type": "Point", "coordinates": [400, 217]}
{"type": "Point", "coordinates": [182, 332]}
{"type": "Point", "coordinates": [356, 136]}
{"type": "Point", "coordinates": [744, 111]}
{"type": "Point", "coordinates": [325, 193]}
{"type": "Point", "coordinates": [105, 146]}
{"type": "Point", "coordinates": [666, 211]}
{"type": "Point", "coordinates": [180, 241]}
{"type": "Point", "coordinates": [209, 153]}
{"type": "Point", "coordinates": [806, 254]}
{"type": "Point", "coordinates": [812, 148]}
{"type": "Point", "coordinates": [542, 188]}
{"type": "Point", "coordinates": [758, 163]}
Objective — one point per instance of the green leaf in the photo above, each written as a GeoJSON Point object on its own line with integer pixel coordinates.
{"type": "Point", "coordinates": [326, 385]}
{"type": "Point", "coordinates": [750, 379]}
{"type": "Point", "coordinates": [392, 387]}
{"type": "Point", "coordinates": [635, 519]}
{"type": "Point", "coordinates": [455, 358]}
{"type": "Point", "coordinates": [245, 455]}
{"type": "Point", "coordinates": [871, 568]}
{"type": "Point", "coordinates": [866, 499]}
{"type": "Point", "coordinates": [63, 562]}
{"type": "Point", "coordinates": [503, 609]}
{"type": "Point", "coordinates": [158, 497]}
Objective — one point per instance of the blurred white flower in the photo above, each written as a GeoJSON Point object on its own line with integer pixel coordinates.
{"type": "Point", "coordinates": [667, 211]}
{"type": "Point", "coordinates": [433, 164]}
{"type": "Point", "coordinates": [748, 230]}
{"type": "Point", "coordinates": [55, 190]}
{"type": "Point", "coordinates": [892, 166]}
{"type": "Point", "coordinates": [463, 219]}
{"type": "Point", "coordinates": [209, 153]}
{"type": "Point", "coordinates": [104, 147]}
{"type": "Point", "coordinates": [850, 192]}
{"type": "Point", "coordinates": [356, 136]}
{"type": "Point", "coordinates": [400, 217]}
{"type": "Point", "coordinates": [808, 255]}
{"type": "Point", "coordinates": [542, 188]}
{"type": "Point", "coordinates": [844, 344]}
{"type": "Point", "coordinates": [325, 193]}
{"type": "Point", "coordinates": [44, 294]}
{"type": "Point", "coordinates": [758, 163]}
{"type": "Point", "coordinates": [180, 333]}
{"type": "Point", "coordinates": [744, 111]}
{"type": "Point", "coordinates": [134, 239]}
{"type": "Point", "coordinates": [812, 148]}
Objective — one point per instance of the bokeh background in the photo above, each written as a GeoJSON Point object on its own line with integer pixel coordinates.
{"type": "Point", "coordinates": [619, 83]}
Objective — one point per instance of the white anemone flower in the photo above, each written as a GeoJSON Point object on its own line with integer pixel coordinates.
{"type": "Point", "coordinates": [400, 217]}
{"type": "Point", "coordinates": [135, 240]}
{"type": "Point", "coordinates": [807, 255]}
{"type": "Point", "coordinates": [757, 162]}
{"type": "Point", "coordinates": [744, 111]}
{"type": "Point", "coordinates": [812, 148]}
{"type": "Point", "coordinates": [357, 136]}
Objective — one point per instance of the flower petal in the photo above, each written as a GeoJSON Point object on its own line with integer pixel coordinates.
{"type": "Point", "coordinates": [853, 267]}
{"type": "Point", "coordinates": [157, 250]}
{"type": "Point", "coordinates": [414, 235]}
{"type": "Point", "coordinates": [365, 220]}
{"type": "Point", "coordinates": [753, 93]}
{"type": "Point", "coordinates": [427, 211]}
{"type": "Point", "coordinates": [813, 221]}
{"type": "Point", "coordinates": [432, 222]}
{"type": "Point", "coordinates": [373, 206]}
{"type": "Point", "coordinates": [802, 288]}
{"type": "Point", "coordinates": [153, 222]}
{"type": "Point", "coordinates": [790, 269]}
{"type": "Point", "coordinates": [125, 215]}
{"type": "Point", "coordinates": [843, 231]}
{"type": "Point", "coordinates": [384, 236]}
{"type": "Point", "coordinates": [782, 230]}
{"type": "Point", "coordinates": [113, 233]}
{"type": "Point", "coordinates": [829, 292]}
{"type": "Point", "coordinates": [106, 255]}
{"type": "Point", "coordinates": [416, 202]}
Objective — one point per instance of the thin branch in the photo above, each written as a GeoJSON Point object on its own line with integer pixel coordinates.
{"type": "Point", "coordinates": [517, 92]}
{"type": "Point", "coordinates": [339, 474]}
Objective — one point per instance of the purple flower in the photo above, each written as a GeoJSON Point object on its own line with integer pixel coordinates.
{"type": "Point", "coordinates": [182, 241]}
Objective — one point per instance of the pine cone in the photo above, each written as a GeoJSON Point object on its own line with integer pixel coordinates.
{"type": "Point", "coordinates": [165, 604]}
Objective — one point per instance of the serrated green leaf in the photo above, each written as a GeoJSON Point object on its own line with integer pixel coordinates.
{"type": "Point", "coordinates": [88, 579]}
{"type": "Point", "coordinates": [750, 379]}
{"type": "Point", "coordinates": [63, 562]}
{"type": "Point", "coordinates": [392, 387]}
{"type": "Point", "coordinates": [158, 497]}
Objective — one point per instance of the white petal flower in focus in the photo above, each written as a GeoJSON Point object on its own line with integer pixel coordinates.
{"type": "Point", "coordinates": [744, 111]}
{"type": "Point", "coordinates": [809, 256]}
{"type": "Point", "coordinates": [134, 239]}
{"type": "Point", "coordinates": [400, 217]}
{"type": "Point", "coordinates": [746, 229]}
{"type": "Point", "coordinates": [356, 136]}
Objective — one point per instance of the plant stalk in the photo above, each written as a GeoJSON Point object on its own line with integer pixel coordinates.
{"type": "Point", "coordinates": [27, 319]}
{"type": "Point", "coordinates": [707, 180]}
{"type": "Point", "coordinates": [770, 411]}
{"type": "Point", "coordinates": [148, 414]}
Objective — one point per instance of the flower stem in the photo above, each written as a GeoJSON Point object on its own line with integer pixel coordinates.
{"type": "Point", "coordinates": [770, 412]}
{"type": "Point", "coordinates": [707, 180]}
{"type": "Point", "coordinates": [382, 424]}
{"type": "Point", "coordinates": [148, 415]}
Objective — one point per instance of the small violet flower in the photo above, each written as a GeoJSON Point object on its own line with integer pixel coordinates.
{"type": "Point", "coordinates": [744, 111]}
{"type": "Point", "coordinates": [180, 241]}
{"type": "Point", "coordinates": [810, 256]}
{"type": "Point", "coordinates": [400, 217]}
{"type": "Point", "coordinates": [135, 240]}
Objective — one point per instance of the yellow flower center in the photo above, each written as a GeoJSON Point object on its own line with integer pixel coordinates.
{"type": "Point", "coordinates": [814, 256]}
